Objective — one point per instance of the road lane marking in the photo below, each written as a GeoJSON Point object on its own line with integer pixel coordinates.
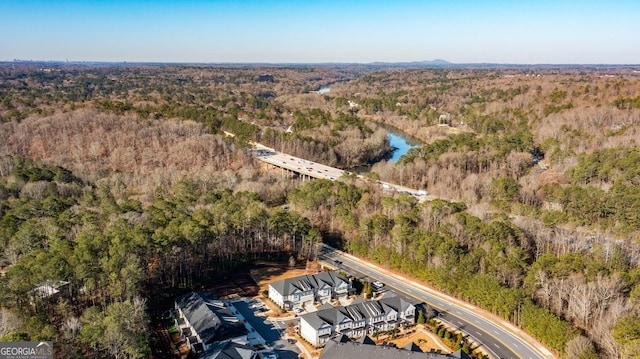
{"type": "Point", "coordinates": [424, 290]}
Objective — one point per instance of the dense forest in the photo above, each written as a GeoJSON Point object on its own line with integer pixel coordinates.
{"type": "Point", "coordinates": [111, 254]}
{"type": "Point", "coordinates": [116, 177]}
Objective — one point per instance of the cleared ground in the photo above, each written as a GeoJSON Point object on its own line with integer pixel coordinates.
{"type": "Point", "coordinates": [270, 272]}
{"type": "Point", "coordinates": [422, 338]}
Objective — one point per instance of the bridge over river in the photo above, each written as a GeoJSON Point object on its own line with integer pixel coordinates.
{"type": "Point", "coordinates": [306, 168]}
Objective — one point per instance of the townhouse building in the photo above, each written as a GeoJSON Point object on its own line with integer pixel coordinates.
{"type": "Point", "coordinates": [204, 321]}
{"type": "Point", "coordinates": [357, 320]}
{"type": "Point", "coordinates": [341, 347]}
{"type": "Point", "coordinates": [298, 291]}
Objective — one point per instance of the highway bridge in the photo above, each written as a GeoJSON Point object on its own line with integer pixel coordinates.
{"type": "Point", "coordinates": [499, 339]}
{"type": "Point", "coordinates": [310, 169]}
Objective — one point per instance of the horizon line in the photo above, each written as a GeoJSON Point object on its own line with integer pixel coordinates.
{"type": "Point", "coordinates": [435, 62]}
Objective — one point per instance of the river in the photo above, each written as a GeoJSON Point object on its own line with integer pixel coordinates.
{"type": "Point", "coordinates": [400, 143]}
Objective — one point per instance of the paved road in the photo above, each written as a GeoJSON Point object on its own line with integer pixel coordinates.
{"type": "Point", "coordinates": [318, 170]}
{"type": "Point", "coordinates": [296, 164]}
{"type": "Point", "coordinates": [496, 338]}
{"type": "Point", "coordinates": [271, 333]}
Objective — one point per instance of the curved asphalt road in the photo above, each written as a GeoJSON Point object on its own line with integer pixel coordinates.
{"type": "Point", "coordinates": [497, 339]}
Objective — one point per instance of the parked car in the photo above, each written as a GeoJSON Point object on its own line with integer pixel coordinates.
{"type": "Point", "coordinates": [298, 311]}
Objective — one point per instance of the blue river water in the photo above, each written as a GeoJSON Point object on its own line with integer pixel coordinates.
{"type": "Point", "coordinates": [400, 142]}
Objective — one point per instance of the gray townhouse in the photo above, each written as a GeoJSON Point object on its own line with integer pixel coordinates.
{"type": "Point", "coordinates": [356, 320]}
{"type": "Point", "coordinates": [229, 349]}
{"type": "Point", "coordinates": [341, 347]}
{"type": "Point", "coordinates": [204, 321]}
{"type": "Point", "coordinates": [298, 291]}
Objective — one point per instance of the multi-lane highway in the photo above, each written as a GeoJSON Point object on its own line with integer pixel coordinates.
{"type": "Point", "coordinates": [318, 170]}
{"type": "Point", "coordinates": [499, 338]}
{"type": "Point", "coordinates": [299, 165]}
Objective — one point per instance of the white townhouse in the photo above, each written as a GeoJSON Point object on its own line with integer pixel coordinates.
{"type": "Point", "coordinates": [356, 320]}
{"type": "Point", "coordinates": [298, 291]}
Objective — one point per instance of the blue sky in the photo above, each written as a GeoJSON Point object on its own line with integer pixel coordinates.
{"type": "Point", "coordinates": [520, 32]}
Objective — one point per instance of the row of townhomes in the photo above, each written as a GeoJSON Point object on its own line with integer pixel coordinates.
{"type": "Point", "coordinates": [214, 328]}
{"type": "Point", "coordinates": [308, 289]}
{"type": "Point", "coordinates": [341, 347]}
{"type": "Point", "coordinates": [356, 320]}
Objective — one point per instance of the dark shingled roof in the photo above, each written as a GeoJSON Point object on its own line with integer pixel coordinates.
{"type": "Point", "coordinates": [366, 340]}
{"type": "Point", "coordinates": [412, 347]}
{"type": "Point", "coordinates": [210, 318]}
{"type": "Point", "coordinates": [359, 310]}
{"type": "Point", "coordinates": [307, 282]}
{"type": "Point", "coordinates": [340, 349]}
{"type": "Point", "coordinates": [228, 350]}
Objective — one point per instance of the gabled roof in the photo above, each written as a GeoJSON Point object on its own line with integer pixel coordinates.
{"type": "Point", "coordinates": [340, 349]}
{"type": "Point", "coordinates": [370, 309]}
{"type": "Point", "coordinates": [365, 339]}
{"type": "Point", "coordinates": [397, 302]}
{"type": "Point", "coordinates": [308, 282]}
{"type": "Point", "coordinates": [412, 347]}
{"type": "Point", "coordinates": [342, 338]}
{"type": "Point", "coordinates": [48, 288]}
{"type": "Point", "coordinates": [209, 317]}
{"type": "Point", "coordinates": [459, 354]}
{"type": "Point", "coordinates": [314, 320]}
{"type": "Point", "coordinates": [355, 312]}
{"type": "Point", "coordinates": [229, 350]}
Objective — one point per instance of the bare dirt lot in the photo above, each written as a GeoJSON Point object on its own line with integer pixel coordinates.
{"type": "Point", "coordinates": [265, 273]}
{"type": "Point", "coordinates": [423, 339]}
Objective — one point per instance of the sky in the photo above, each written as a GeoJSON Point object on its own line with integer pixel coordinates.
{"type": "Point", "coordinates": [315, 31]}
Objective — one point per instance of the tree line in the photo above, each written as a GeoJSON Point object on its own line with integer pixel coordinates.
{"type": "Point", "coordinates": [554, 295]}
{"type": "Point", "coordinates": [113, 253]}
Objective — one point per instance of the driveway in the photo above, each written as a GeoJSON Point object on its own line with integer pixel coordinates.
{"type": "Point", "coordinates": [271, 333]}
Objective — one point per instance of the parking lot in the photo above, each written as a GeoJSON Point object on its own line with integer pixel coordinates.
{"type": "Point", "coordinates": [271, 332]}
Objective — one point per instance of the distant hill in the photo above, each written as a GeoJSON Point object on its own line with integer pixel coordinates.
{"type": "Point", "coordinates": [435, 63]}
